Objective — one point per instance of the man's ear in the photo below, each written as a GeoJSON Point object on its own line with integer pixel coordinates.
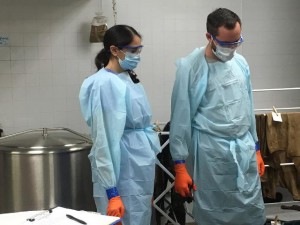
{"type": "Point", "coordinates": [208, 36]}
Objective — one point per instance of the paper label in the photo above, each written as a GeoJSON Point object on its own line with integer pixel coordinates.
{"type": "Point", "coordinates": [277, 117]}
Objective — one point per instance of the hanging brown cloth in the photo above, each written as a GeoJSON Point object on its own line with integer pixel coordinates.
{"type": "Point", "coordinates": [261, 122]}
{"type": "Point", "coordinates": [277, 133]}
{"type": "Point", "coordinates": [97, 33]}
{"type": "Point", "coordinates": [287, 174]}
{"type": "Point", "coordinates": [284, 147]}
{"type": "Point", "coordinates": [293, 147]}
{"type": "Point", "coordinates": [269, 180]}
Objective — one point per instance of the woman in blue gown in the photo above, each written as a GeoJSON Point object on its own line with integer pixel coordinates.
{"type": "Point", "coordinates": [115, 107]}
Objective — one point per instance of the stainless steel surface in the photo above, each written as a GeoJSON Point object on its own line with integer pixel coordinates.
{"type": "Point", "coordinates": [43, 168]}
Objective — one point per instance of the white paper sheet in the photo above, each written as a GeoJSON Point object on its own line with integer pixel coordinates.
{"type": "Point", "coordinates": [57, 217]}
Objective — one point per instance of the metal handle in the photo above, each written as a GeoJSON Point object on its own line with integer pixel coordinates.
{"type": "Point", "coordinates": [76, 133]}
{"type": "Point", "coordinates": [18, 133]}
{"type": "Point", "coordinates": [45, 133]}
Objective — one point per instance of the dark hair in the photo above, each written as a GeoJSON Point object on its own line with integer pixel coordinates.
{"type": "Point", "coordinates": [221, 17]}
{"type": "Point", "coordinates": [118, 35]}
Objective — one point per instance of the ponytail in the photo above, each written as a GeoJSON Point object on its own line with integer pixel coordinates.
{"type": "Point", "coordinates": [101, 59]}
{"type": "Point", "coordinates": [133, 76]}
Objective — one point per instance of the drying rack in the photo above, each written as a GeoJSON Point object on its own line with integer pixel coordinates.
{"type": "Point", "coordinates": [170, 186]}
{"type": "Point", "coordinates": [273, 209]}
{"type": "Point", "coordinates": [279, 109]}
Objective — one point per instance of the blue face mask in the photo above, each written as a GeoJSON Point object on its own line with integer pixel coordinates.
{"type": "Point", "coordinates": [130, 61]}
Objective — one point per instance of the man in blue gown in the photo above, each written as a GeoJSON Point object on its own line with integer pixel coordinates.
{"type": "Point", "coordinates": [213, 130]}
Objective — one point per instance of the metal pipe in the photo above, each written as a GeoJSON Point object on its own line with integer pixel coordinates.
{"type": "Point", "coordinates": [45, 132]}
{"type": "Point", "coordinates": [269, 109]}
{"type": "Point", "coordinates": [276, 89]}
{"type": "Point", "coordinates": [164, 133]}
{"type": "Point", "coordinates": [283, 164]}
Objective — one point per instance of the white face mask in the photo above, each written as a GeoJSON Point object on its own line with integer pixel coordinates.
{"type": "Point", "coordinates": [224, 54]}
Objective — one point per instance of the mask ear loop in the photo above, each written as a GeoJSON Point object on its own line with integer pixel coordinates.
{"type": "Point", "coordinates": [211, 41]}
{"type": "Point", "coordinates": [211, 44]}
{"type": "Point", "coordinates": [123, 53]}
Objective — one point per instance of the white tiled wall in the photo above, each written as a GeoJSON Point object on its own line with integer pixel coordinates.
{"type": "Point", "coordinates": [49, 53]}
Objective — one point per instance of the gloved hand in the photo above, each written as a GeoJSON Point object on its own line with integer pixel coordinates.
{"type": "Point", "coordinates": [183, 181]}
{"type": "Point", "coordinates": [115, 207]}
{"type": "Point", "coordinates": [260, 163]}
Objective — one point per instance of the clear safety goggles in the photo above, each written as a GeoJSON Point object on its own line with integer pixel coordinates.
{"type": "Point", "coordinates": [226, 44]}
{"type": "Point", "coordinates": [132, 49]}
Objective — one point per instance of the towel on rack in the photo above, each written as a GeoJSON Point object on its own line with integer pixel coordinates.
{"type": "Point", "coordinates": [284, 146]}
{"type": "Point", "coordinates": [293, 147]}
{"type": "Point", "coordinates": [269, 182]}
{"type": "Point", "coordinates": [270, 179]}
{"type": "Point", "coordinates": [284, 135]}
{"type": "Point", "coordinates": [261, 121]}
{"type": "Point", "coordinates": [288, 175]}
{"type": "Point", "coordinates": [277, 133]}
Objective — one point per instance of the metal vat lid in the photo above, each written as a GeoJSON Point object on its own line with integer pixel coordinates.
{"type": "Point", "coordinates": [44, 140]}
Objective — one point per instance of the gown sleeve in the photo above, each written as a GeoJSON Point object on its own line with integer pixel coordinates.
{"type": "Point", "coordinates": [180, 127]}
{"type": "Point", "coordinates": [253, 121]}
{"type": "Point", "coordinates": [107, 126]}
{"type": "Point", "coordinates": [188, 90]}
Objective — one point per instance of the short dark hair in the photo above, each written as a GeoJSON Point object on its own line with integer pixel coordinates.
{"type": "Point", "coordinates": [221, 17]}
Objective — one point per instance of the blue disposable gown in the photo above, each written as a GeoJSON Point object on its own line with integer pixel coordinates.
{"type": "Point", "coordinates": [124, 145]}
{"type": "Point", "coordinates": [213, 128]}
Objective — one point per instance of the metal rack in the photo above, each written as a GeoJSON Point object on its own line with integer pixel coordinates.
{"type": "Point", "coordinates": [280, 109]}
{"type": "Point", "coordinates": [169, 187]}
{"type": "Point", "coordinates": [277, 89]}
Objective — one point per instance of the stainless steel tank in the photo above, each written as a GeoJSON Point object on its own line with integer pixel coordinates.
{"type": "Point", "coordinates": [43, 168]}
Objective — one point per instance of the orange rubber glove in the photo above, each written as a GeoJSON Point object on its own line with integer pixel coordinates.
{"type": "Point", "coordinates": [260, 163]}
{"type": "Point", "coordinates": [183, 181]}
{"type": "Point", "coordinates": [115, 207]}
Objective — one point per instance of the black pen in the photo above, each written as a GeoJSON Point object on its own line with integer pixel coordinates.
{"type": "Point", "coordinates": [75, 219]}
